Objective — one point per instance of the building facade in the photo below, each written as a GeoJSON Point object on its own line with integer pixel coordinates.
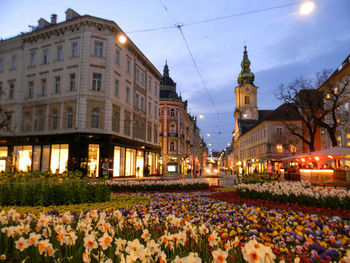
{"type": "Point", "coordinates": [182, 147]}
{"type": "Point", "coordinates": [76, 98]}
{"type": "Point", "coordinates": [260, 138]}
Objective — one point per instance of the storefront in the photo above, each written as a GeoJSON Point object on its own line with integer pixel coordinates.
{"type": "Point", "coordinates": [94, 154]}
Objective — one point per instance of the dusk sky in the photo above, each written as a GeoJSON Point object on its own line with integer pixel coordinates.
{"type": "Point", "coordinates": [282, 44]}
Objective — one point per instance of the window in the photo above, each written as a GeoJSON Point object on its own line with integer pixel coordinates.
{"type": "Point", "coordinates": [143, 78]}
{"type": "Point", "coordinates": [150, 85]}
{"type": "Point", "coordinates": [30, 89]}
{"type": "Point", "coordinates": [27, 122]}
{"type": "Point", "coordinates": [149, 108]}
{"type": "Point", "coordinates": [293, 148]}
{"type": "Point", "coordinates": [128, 66]}
{"type": "Point", "coordinates": [128, 95]}
{"type": "Point", "coordinates": [43, 87]}
{"type": "Point", "coordinates": [149, 132]}
{"type": "Point", "coordinates": [172, 146]}
{"type": "Point", "coordinates": [116, 88]}
{"type": "Point", "coordinates": [156, 91]}
{"type": "Point", "coordinates": [1, 65]}
{"type": "Point", "coordinates": [32, 59]}
{"type": "Point", "coordinates": [172, 112]}
{"type": "Point", "coordinates": [117, 56]}
{"type": "Point", "coordinates": [40, 121]}
{"type": "Point", "coordinates": [57, 84]}
{"type": "Point", "coordinates": [138, 74]}
{"type": "Point", "coordinates": [142, 104]}
{"type": "Point", "coordinates": [74, 49]}
{"type": "Point", "coordinates": [246, 100]}
{"type": "Point", "coordinates": [11, 91]}
{"type": "Point", "coordinates": [127, 125]}
{"type": "Point", "coordinates": [13, 62]}
{"type": "Point", "coordinates": [116, 121]}
{"type": "Point", "coordinates": [72, 82]}
{"type": "Point", "coordinates": [137, 101]}
{"type": "Point", "coordinates": [172, 128]}
{"type": "Point", "coordinates": [23, 159]}
{"type": "Point", "coordinates": [95, 118]}
{"type": "Point", "coordinates": [279, 148]}
{"type": "Point", "coordinates": [54, 120]}
{"type": "Point", "coordinates": [155, 134]}
{"type": "Point", "coordinates": [279, 130]}
{"type": "Point", "coordinates": [96, 81]}
{"type": "Point", "coordinates": [347, 138]}
{"type": "Point", "coordinates": [70, 118]}
{"type": "Point", "coordinates": [59, 158]}
{"type": "Point", "coordinates": [60, 53]}
{"type": "Point", "coordinates": [98, 49]}
{"type": "Point", "coordinates": [155, 112]}
{"type": "Point", "coordinates": [46, 56]}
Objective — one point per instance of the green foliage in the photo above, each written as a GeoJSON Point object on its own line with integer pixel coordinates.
{"type": "Point", "coordinates": [53, 193]}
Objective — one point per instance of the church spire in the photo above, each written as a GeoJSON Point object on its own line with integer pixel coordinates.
{"type": "Point", "coordinates": [166, 69]}
{"type": "Point", "coordinates": [246, 76]}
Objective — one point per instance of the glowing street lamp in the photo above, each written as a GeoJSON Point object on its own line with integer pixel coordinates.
{"type": "Point", "coordinates": [307, 8]}
{"type": "Point", "coordinates": [201, 116]}
{"type": "Point", "coordinates": [208, 134]}
{"type": "Point", "coordinates": [122, 39]}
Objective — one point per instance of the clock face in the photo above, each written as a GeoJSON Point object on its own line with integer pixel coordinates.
{"type": "Point", "coordinates": [246, 89]}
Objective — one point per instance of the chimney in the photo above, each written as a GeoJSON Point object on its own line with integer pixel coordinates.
{"type": "Point", "coordinates": [53, 19]}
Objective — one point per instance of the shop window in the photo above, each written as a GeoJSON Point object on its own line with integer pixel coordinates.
{"type": "Point", "coordinates": [23, 158]}
{"type": "Point", "coordinates": [36, 157]}
{"type": "Point", "coordinates": [293, 148]}
{"type": "Point", "coordinates": [130, 162]}
{"type": "Point", "coordinates": [139, 163]}
{"type": "Point", "coordinates": [3, 155]}
{"type": "Point", "coordinates": [116, 162]}
{"type": "Point", "coordinates": [45, 158]}
{"type": "Point", "coordinates": [59, 158]}
{"type": "Point", "coordinates": [94, 157]}
{"type": "Point", "coordinates": [348, 139]}
{"type": "Point", "coordinates": [279, 148]}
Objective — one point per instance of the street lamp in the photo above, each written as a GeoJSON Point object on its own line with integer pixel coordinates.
{"type": "Point", "coordinates": [201, 116]}
{"type": "Point", "coordinates": [208, 134]}
{"type": "Point", "coordinates": [306, 8]}
{"type": "Point", "coordinates": [122, 39]}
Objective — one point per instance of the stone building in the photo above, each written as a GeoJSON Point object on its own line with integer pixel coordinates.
{"type": "Point", "coordinates": [75, 97]}
{"type": "Point", "coordinates": [260, 138]}
{"type": "Point", "coordinates": [182, 147]}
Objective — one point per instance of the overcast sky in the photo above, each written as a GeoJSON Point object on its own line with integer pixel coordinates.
{"type": "Point", "coordinates": [282, 45]}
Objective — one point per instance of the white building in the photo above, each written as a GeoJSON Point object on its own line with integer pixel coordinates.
{"type": "Point", "coordinates": [74, 97]}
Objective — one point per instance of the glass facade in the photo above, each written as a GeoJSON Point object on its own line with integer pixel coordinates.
{"type": "Point", "coordinates": [3, 154]}
{"type": "Point", "coordinates": [94, 160]}
{"type": "Point", "coordinates": [23, 157]}
{"type": "Point", "coordinates": [59, 158]}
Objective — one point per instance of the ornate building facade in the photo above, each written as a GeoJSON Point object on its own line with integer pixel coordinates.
{"type": "Point", "coordinates": [76, 98]}
{"type": "Point", "coordinates": [182, 147]}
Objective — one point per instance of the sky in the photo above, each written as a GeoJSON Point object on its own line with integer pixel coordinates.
{"type": "Point", "coordinates": [204, 58]}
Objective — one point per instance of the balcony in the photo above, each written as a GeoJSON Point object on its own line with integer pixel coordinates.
{"type": "Point", "coordinates": [172, 134]}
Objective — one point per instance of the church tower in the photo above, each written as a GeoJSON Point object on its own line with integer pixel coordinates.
{"type": "Point", "coordinates": [246, 92]}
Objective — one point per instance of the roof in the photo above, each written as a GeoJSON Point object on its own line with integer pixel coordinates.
{"type": "Point", "coordinates": [285, 112]}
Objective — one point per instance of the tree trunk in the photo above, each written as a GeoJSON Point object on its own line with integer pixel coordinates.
{"type": "Point", "coordinates": [333, 139]}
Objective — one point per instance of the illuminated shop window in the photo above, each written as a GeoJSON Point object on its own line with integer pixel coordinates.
{"type": "Point", "coordinates": [139, 164]}
{"type": "Point", "coordinates": [116, 162]}
{"type": "Point", "coordinates": [59, 158]}
{"type": "Point", "coordinates": [279, 148]}
{"type": "Point", "coordinates": [23, 157]}
{"type": "Point", "coordinates": [36, 157]}
{"type": "Point", "coordinates": [94, 159]}
{"type": "Point", "coordinates": [45, 158]}
{"type": "Point", "coordinates": [3, 153]}
{"type": "Point", "coordinates": [130, 162]}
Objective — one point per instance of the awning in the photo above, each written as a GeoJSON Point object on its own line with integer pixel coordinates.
{"type": "Point", "coordinates": [336, 152]}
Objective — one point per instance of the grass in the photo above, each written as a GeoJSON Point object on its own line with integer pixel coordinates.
{"type": "Point", "coordinates": [117, 201]}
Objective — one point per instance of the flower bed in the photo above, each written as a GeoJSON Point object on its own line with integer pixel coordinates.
{"type": "Point", "coordinates": [296, 192]}
{"type": "Point", "coordinates": [157, 185]}
{"type": "Point", "coordinates": [171, 218]}
{"type": "Point", "coordinates": [120, 236]}
{"type": "Point", "coordinates": [258, 178]}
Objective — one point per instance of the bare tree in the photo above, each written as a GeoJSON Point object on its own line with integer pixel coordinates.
{"type": "Point", "coordinates": [307, 102]}
{"type": "Point", "coordinates": [332, 117]}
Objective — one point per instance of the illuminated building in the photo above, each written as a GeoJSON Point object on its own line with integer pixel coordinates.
{"type": "Point", "coordinates": [182, 147]}
{"type": "Point", "coordinates": [76, 98]}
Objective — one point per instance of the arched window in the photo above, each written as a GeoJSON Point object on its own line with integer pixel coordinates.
{"type": "Point", "coordinates": [172, 146]}
{"type": "Point", "coordinates": [70, 118]}
{"type": "Point", "coordinates": [54, 119]}
{"type": "Point", "coordinates": [95, 118]}
{"type": "Point", "coordinates": [246, 99]}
